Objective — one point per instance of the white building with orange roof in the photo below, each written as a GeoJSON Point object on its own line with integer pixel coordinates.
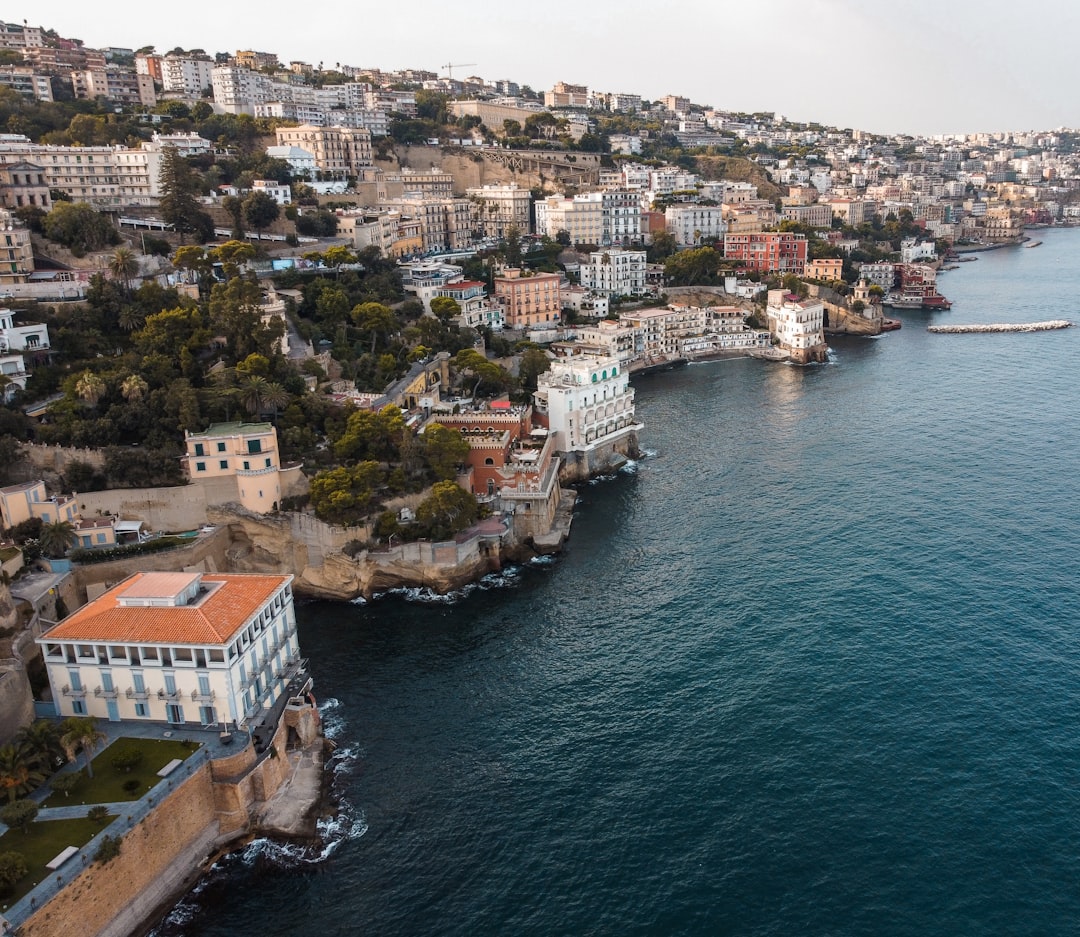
{"type": "Point", "coordinates": [191, 649]}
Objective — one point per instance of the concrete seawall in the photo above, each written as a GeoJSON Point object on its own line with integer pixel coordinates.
{"type": "Point", "coordinates": [977, 328]}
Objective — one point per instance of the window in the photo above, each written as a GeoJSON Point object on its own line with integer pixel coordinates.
{"type": "Point", "coordinates": [200, 466]}
{"type": "Point", "coordinates": [268, 463]}
{"type": "Point", "coordinates": [78, 707]}
{"type": "Point", "coordinates": [247, 465]}
{"type": "Point", "coordinates": [199, 449]}
{"type": "Point", "coordinates": [223, 464]}
{"type": "Point", "coordinates": [221, 447]}
{"type": "Point", "coordinates": [142, 710]}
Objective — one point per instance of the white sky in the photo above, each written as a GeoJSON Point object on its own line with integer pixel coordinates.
{"type": "Point", "coordinates": [914, 66]}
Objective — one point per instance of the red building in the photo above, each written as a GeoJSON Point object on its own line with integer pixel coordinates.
{"type": "Point", "coordinates": [768, 251]}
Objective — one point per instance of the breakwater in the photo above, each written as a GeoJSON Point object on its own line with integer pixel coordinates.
{"type": "Point", "coordinates": [1048, 326]}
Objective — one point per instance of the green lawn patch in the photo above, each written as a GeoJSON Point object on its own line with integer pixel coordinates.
{"type": "Point", "coordinates": [107, 784]}
{"type": "Point", "coordinates": [45, 840]}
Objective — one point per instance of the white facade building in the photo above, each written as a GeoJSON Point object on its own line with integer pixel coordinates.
{"type": "Point", "coordinates": [177, 648]}
{"type": "Point", "coordinates": [588, 404]}
{"type": "Point", "coordinates": [615, 272]}
{"type": "Point", "coordinates": [186, 74]}
{"type": "Point", "coordinates": [692, 224]}
{"type": "Point", "coordinates": [798, 327]}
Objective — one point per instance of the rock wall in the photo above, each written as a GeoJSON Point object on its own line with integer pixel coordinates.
{"type": "Point", "coordinates": [109, 899]}
{"type": "Point", "coordinates": [16, 700]}
{"type": "Point", "coordinates": [581, 466]}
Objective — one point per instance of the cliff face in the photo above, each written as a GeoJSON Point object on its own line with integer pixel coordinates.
{"type": "Point", "coordinates": [312, 552]}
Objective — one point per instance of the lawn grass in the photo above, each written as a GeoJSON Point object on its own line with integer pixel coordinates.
{"type": "Point", "coordinates": [44, 841]}
{"type": "Point", "coordinates": [107, 784]}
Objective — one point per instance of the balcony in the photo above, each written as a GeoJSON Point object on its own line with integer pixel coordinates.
{"type": "Point", "coordinates": [197, 696]}
{"type": "Point", "coordinates": [74, 694]}
{"type": "Point", "coordinates": [174, 695]}
{"type": "Point", "coordinates": [132, 693]}
{"type": "Point", "coordinates": [102, 693]}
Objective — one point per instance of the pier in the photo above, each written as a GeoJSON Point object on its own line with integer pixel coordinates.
{"type": "Point", "coordinates": [1048, 326]}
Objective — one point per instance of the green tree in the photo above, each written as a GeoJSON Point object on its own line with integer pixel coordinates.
{"type": "Point", "coordinates": [235, 207]}
{"type": "Point", "coordinates": [179, 205]}
{"type": "Point", "coordinates": [57, 538]}
{"type": "Point", "coordinates": [20, 770]}
{"type": "Point", "coordinates": [692, 267]}
{"type": "Point", "coordinates": [89, 387]}
{"type": "Point", "coordinates": [134, 388]}
{"type": "Point", "coordinates": [13, 869]}
{"type": "Point", "coordinates": [375, 319]}
{"type": "Point", "coordinates": [533, 363]}
{"type": "Point", "coordinates": [261, 211]}
{"type": "Point", "coordinates": [447, 510]}
{"type": "Point", "coordinates": [43, 739]}
{"type": "Point", "coordinates": [371, 436]}
{"type": "Point", "coordinates": [232, 255]}
{"type": "Point", "coordinates": [488, 373]}
{"type": "Point", "coordinates": [445, 308]}
{"type": "Point", "coordinates": [512, 246]}
{"type": "Point", "coordinates": [345, 495]}
{"type": "Point", "coordinates": [79, 228]}
{"type": "Point", "coordinates": [444, 449]}
{"type": "Point", "coordinates": [123, 265]}
{"type": "Point", "coordinates": [127, 760]}
{"type": "Point", "coordinates": [66, 783]}
{"type": "Point", "coordinates": [19, 814]}
{"type": "Point", "coordinates": [81, 733]}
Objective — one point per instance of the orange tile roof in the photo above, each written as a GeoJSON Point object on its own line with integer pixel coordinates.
{"type": "Point", "coordinates": [213, 621]}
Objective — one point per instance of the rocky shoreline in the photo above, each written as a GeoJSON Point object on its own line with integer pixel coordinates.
{"type": "Point", "coordinates": [979, 328]}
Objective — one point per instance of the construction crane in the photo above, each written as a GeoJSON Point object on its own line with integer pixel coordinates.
{"type": "Point", "coordinates": [451, 66]}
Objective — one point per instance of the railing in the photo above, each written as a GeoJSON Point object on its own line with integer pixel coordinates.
{"type": "Point", "coordinates": [168, 694]}
{"type": "Point", "coordinates": [132, 693]}
{"type": "Point", "coordinates": [74, 694]}
{"type": "Point", "coordinates": [197, 696]}
{"type": "Point", "coordinates": [106, 694]}
{"type": "Point", "coordinates": [260, 471]}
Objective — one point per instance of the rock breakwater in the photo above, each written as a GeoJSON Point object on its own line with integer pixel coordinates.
{"type": "Point", "coordinates": [1048, 326]}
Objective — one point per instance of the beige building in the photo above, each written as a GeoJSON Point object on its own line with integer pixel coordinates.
{"type": "Point", "coordinates": [831, 268]}
{"type": "Point", "coordinates": [114, 83]}
{"type": "Point", "coordinates": [339, 151]}
{"type": "Point", "coordinates": [501, 207]}
{"type": "Point", "coordinates": [244, 452]}
{"type": "Point", "coordinates": [20, 503]}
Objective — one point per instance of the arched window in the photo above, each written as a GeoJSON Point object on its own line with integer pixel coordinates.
{"type": "Point", "coordinates": [605, 375]}
{"type": "Point", "coordinates": [489, 461]}
{"type": "Point", "coordinates": [594, 378]}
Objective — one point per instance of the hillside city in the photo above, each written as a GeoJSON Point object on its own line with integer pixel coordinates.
{"type": "Point", "coordinates": [336, 329]}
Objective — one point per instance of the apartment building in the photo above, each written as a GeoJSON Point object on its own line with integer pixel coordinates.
{"type": "Point", "coordinates": [528, 299]}
{"type": "Point", "coordinates": [185, 649]}
{"type": "Point", "coordinates": [114, 83]}
{"type": "Point", "coordinates": [615, 272]}
{"type": "Point", "coordinates": [340, 152]}
{"type": "Point", "coordinates": [768, 251]}
{"type": "Point", "coordinates": [692, 224]}
{"type": "Point", "coordinates": [16, 256]}
{"type": "Point", "coordinates": [19, 503]}
{"type": "Point", "coordinates": [189, 75]}
{"type": "Point", "coordinates": [500, 208]}
{"type": "Point", "coordinates": [25, 81]}
{"type": "Point", "coordinates": [612, 217]}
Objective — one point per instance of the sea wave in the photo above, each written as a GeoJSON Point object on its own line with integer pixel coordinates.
{"type": "Point", "coordinates": [504, 579]}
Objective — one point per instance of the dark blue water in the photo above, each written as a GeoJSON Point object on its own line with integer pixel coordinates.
{"type": "Point", "coordinates": [811, 669]}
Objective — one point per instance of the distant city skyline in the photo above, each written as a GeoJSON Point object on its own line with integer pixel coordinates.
{"type": "Point", "coordinates": [915, 66]}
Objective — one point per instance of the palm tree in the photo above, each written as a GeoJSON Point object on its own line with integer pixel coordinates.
{"type": "Point", "coordinates": [42, 737]}
{"type": "Point", "coordinates": [275, 397]}
{"type": "Point", "coordinates": [123, 265]}
{"type": "Point", "coordinates": [19, 771]}
{"type": "Point", "coordinates": [253, 393]}
{"type": "Point", "coordinates": [134, 388]}
{"type": "Point", "coordinates": [90, 387]}
{"type": "Point", "coordinates": [130, 318]}
{"type": "Point", "coordinates": [81, 733]}
{"type": "Point", "coordinates": [56, 538]}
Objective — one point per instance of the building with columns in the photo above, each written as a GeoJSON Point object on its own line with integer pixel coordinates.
{"type": "Point", "coordinates": [186, 649]}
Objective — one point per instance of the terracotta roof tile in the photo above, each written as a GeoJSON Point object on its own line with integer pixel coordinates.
{"type": "Point", "coordinates": [212, 621]}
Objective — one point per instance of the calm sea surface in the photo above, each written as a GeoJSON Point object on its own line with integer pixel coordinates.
{"type": "Point", "coordinates": [812, 667]}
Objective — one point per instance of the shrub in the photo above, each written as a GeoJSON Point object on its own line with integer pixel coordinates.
{"type": "Point", "coordinates": [127, 759]}
{"type": "Point", "coordinates": [97, 814]}
{"type": "Point", "coordinates": [12, 868]}
{"type": "Point", "coordinates": [108, 849]}
{"type": "Point", "coordinates": [132, 785]}
{"type": "Point", "coordinates": [19, 814]}
{"type": "Point", "coordinates": [66, 783]}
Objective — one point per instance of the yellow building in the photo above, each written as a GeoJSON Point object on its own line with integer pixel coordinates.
{"type": "Point", "coordinates": [245, 454]}
{"type": "Point", "coordinates": [19, 503]}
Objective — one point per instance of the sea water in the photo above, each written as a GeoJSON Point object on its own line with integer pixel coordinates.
{"type": "Point", "coordinates": [809, 667]}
